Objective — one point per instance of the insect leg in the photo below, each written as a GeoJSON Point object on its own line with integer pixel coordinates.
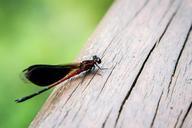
{"type": "Point", "coordinates": [100, 67]}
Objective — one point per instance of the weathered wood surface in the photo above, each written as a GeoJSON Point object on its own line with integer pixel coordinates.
{"type": "Point", "coordinates": [147, 46]}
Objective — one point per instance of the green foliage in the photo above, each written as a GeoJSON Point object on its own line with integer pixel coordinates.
{"type": "Point", "coordinates": [34, 32]}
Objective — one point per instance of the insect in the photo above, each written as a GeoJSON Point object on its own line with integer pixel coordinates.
{"type": "Point", "coordinates": [49, 76]}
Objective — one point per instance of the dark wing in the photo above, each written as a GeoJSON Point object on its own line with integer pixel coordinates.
{"type": "Point", "coordinates": [44, 75]}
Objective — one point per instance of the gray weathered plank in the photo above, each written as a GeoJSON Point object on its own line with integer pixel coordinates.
{"type": "Point", "coordinates": [147, 46]}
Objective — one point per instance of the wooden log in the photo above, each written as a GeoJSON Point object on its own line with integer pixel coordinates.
{"type": "Point", "coordinates": [147, 47]}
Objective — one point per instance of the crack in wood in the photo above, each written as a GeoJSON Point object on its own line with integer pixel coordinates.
{"type": "Point", "coordinates": [76, 113]}
{"type": "Point", "coordinates": [133, 85]}
{"type": "Point", "coordinates": [185, 116]}
{"type": "Point", "coordinates": [104, 123]}
{"type": "Point", "coordinates": [178, 119]}
{"type": "Point", "coordinates": [80, 83]}
{"type": "Point", "coordinates": [156, 110]}
{"type": "Point", "coordinates": [108, 46]}
{"type": "Point", "coordinates": [178, 59]}
{"type": "Point", "coordinates": [64, 117]}
{"type": "Point", "coordinates": [89, 81]}
{"type": "Point", "coordinates": [83, 91]}
{"type": "Point", "coordinates": [137, 13]}
{"type": "Point", "coordinates": [173, 89]}
{"type": "Point", "coordinates": [168, 24]}
{"type": "Point", "coordinates": [71, 94]}
{"type": "Point", "coordinates": [83, 114]}
{"type": "Point", "coordinates": [167, 10]}
{"type": "Point", "coordinates": [106, 81]}
{"type": "Point", "coordinates": [47, 113]}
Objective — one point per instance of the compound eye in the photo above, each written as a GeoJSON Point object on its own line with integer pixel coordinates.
{"type": "Point", "coordinates": [94, 57]}
{"type": "Point", "coordinates": [98, 60]}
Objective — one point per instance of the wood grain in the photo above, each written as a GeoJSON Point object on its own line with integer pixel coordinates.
{"type": "Point", "coordinates": [147, 46]}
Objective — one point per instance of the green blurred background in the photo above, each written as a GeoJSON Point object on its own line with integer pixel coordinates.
{"type": "Point", "coordinates": [36, 32]}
